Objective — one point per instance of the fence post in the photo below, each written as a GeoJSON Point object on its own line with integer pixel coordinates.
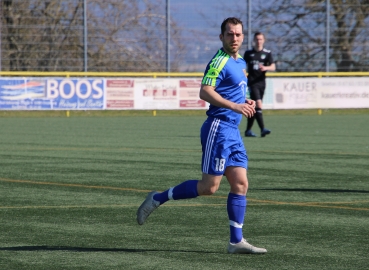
{"type": "Point", "coordinates": [168, 35]}
{"type": "Point", "coordinates": [327, 37]}
{"type": "Point", "coordinates": [85, 33]}
{"type": "Point", "coordinates": [249, 25]}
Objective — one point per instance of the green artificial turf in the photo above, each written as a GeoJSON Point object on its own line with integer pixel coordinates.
{"type": "Point", "coordinates": [70, 188]}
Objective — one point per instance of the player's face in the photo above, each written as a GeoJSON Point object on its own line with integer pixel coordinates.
{"type": "Point", "coordinates": [259, 41]}
{"type": "Point", "coordinates": [232, 38]}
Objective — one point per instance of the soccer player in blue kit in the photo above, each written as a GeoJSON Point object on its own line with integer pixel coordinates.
{"type": "Point", "coordinates": [223, 153]}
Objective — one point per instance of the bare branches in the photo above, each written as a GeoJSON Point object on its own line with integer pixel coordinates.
{"type": "Point", "coordinates": [122, 35]}
{"type": "Point", "coordinates": [299, 32]}
{"type": "Point", "coordinates": [130, 35]}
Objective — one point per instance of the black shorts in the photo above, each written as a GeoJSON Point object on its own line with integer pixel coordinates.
{"type": "Point", "coordinates": [257, 91]}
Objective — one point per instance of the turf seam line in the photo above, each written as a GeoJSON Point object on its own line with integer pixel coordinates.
{"type": "Point", "coordinates": [173, 205]}
{"type": "Point", "coordinates": [70, 185]}
{"type": "Point", "coordinates": [178, 150]}
{"type": "Point", "coordinates": [306, 204]}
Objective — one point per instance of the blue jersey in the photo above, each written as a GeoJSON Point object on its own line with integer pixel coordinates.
{"type": "Point", "coordinates": [228, 76]}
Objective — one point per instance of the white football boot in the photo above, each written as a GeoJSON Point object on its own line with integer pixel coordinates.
{"type": "Point", "coordinates": [147, 207]}
{"type": "Point", "coordinates": [244, 247]}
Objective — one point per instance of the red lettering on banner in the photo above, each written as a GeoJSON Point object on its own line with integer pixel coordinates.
{"type": "Point", "coordinates": [190, 83]}
{"type": "Point", "coordinates": [192, 103]}
{"type": "Point", "coordinates": [120, 83]}
{"type": "Point", "coordinates": [119, 104]}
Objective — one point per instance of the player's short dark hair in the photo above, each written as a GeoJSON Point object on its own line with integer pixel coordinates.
{"type": "Point", "coordinates": [258, 34]}
{"type": "Point", "coordinates": [231, 20]}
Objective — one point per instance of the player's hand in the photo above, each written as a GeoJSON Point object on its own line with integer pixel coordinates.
{"type": "Point", "coordinates": [251, 102]}
{"type": "Point", "coordinates": [262, 68]}
{"type": "Point", "coordinates": [246, 109]}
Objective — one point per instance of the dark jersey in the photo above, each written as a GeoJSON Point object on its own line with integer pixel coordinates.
{"type": "Point", "coordinates": [253, 59]}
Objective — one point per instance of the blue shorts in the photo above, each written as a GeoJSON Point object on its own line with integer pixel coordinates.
{"type": "Point", "coordinates": [222, 146]}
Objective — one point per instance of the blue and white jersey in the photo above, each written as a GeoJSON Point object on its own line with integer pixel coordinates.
{"type": "Point", "coordinates": [228, 76]}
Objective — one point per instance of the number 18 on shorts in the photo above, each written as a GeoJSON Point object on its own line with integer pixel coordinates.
{"type": "Point", "coordinates": [222, 146]}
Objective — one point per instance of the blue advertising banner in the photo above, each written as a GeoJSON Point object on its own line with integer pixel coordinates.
{"type": "Point", "coordinates": [51, 94]}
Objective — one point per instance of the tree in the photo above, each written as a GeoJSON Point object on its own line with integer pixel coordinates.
{"type": "Point", "coordinates": [40, 35]}
{"type": "Point", "coordinates": [296, 31]}
{"type": "Point", "coordinates": [134, 40]}
{"type": "Point", "coordinates": [350, 52]}
{"type": "Point", "coordinates": [122, 35]}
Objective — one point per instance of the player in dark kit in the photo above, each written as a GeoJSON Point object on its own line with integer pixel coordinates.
{"type": "Point", "coordinates": [259, 60]}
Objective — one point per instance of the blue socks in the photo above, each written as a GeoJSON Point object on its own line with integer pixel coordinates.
{"type": "Point", "coordinates": [236, 208]}
{"type": "Point", "coordinates": [236, 205]}
{"type": "Point", "coordinates": [185, 190]}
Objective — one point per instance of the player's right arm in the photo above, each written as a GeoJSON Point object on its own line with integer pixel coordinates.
{"type": "Point", "coordinates": [208, 93]}
{"type": "Point", "coordinates": [267, 68]}
{"type": "Point", "coordinates": [270, 66]}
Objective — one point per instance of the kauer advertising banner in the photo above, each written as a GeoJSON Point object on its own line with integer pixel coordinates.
{"type": "Point", "coordinates": [311, 93]}
{"type": "Point", "coordinates": [51, 93]}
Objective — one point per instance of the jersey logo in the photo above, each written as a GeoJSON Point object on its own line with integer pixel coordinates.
{"type": "Point", "coordinates": [252, 55]}
{"type": "Point", "coordinates": [213, 73]}
{"type": "Point", "coordinates": [263, 56]}
{"type": "Point", "coordinates": [244, 72]}
{"type": "Point", "coordinates": [243, 86]}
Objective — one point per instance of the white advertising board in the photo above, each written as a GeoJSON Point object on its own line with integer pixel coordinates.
{"type": "Point", "coordinates": [153, 94]}
{"type": "Point", "coordinates": [310, 93]}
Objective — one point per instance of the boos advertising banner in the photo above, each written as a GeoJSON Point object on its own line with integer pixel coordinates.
{"type": "Point", "coordinates": [51, 94]}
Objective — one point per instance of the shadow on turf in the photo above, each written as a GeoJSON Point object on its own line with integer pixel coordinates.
{"type": "Point", "coordinates": [82, 249]}
{"type": "Point", "coordinates": [313, 190]}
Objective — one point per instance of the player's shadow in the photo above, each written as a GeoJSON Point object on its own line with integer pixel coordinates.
{"type": "Point", "coordinates": [313, 190]}
{"type": "Point", "coordinates": [86, 249]}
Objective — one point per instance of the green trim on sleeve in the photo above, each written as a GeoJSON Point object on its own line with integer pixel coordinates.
{"type": "Point", "coordinates": [216, 66]}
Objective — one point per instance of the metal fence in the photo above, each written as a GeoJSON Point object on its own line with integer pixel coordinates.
{"type": "Point", "coordinates": [177, 35]}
